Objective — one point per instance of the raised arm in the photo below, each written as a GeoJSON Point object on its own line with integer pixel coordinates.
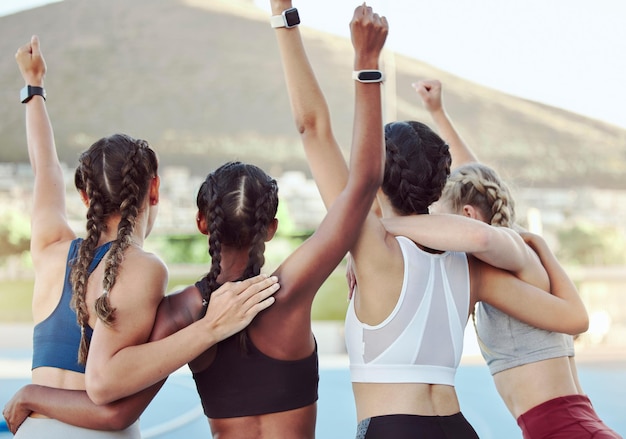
{"type": "Point", "coordinates": [310, 111]}
{"type": "Point", "coordinates": [431, 93]}
{"type": "Point", "coordinates": [48, 220]}
{"type": "Point", "coordinates": [561, 311]}
{"type": "Point", "coordinates": [348, 195]}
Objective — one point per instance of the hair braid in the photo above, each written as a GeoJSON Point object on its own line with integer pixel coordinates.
{"type": "Point", "coordinates": [239, 202]}
{"type": "Point", "coordinates": [115, 173]}
{"type": "Point", "coordinates": [215, 221]}
{"type": "Point", "coordinates": [416, 167]}
{"type": "Point", "coordinates": [132, 180]}
{"type": "Point", "coordinates": [95, 225]}
{"type": "Point", "coordinates": [264, 213]}
{"type": "Point", "coordinates": [480, 186]}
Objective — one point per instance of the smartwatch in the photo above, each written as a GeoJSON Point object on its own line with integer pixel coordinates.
{"type": "Point", "coordinates": [27, 93]}
{"type": "Point", "coordinates": [368, 75]}
{"type": "Point", "coordinates": [289, 18]}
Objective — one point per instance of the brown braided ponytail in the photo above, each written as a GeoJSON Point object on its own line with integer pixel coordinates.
{"type": "Point", "coordinates": [115, 173]}
{"type": "Point", "coordinates": [479, 185]}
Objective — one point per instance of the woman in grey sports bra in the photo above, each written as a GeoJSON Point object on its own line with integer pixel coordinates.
{"type": "Point", "coordinates": [533, 369]}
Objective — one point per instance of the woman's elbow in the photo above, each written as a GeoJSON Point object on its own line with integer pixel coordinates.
{"type": "Point", "coordinates": [98, 392]}
{"type": "Point", "coordinates": [117, 417]}
{"type": "Point", "coordinates": [583, 324]}
{"type": "Point", "coordinates": [578, 324]}
{"type": "Point", "coordinates": [306, 123]}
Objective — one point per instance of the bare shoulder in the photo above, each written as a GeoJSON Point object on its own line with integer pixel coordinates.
{"type": "Point", "coordinates": [143, 273]}
{"type": "Point", "coordinates": [145, 262]}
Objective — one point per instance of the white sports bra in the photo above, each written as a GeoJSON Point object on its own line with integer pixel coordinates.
{"type": "Point", "coordinates": [421, 341]}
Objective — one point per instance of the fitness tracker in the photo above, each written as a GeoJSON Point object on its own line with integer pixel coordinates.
{"type": "Point", "coordinates": [27, 93]}
{"type": "Point", "coordinates": [368, 75]}
{"type": "Point", "coordinates": [289, 18]}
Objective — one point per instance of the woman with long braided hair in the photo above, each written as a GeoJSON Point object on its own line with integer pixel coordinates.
{"type": "Point", "coordinates": [533, 366]}
{"type": "Point", "coordinates": [260, 381]}
{"type": "Point", "coordinates": [105, 281]}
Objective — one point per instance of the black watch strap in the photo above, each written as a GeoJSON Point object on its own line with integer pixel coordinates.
{"type": "Point", "coordinates": [27, 93]}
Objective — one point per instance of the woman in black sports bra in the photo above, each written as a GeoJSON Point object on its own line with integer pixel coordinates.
{"type": "Point", "coordinates": [262, 382]}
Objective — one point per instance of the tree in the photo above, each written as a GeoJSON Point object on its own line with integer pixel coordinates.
{"type": "Point", "coordinates": [591, 245]}
{"type": "Point", "coordinates": [14, 234]}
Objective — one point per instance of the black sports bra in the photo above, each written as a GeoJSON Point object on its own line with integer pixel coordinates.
{"type": "Point", "coordinates": [246, 382]}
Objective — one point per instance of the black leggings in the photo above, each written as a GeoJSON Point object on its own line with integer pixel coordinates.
{"type": "Point", "coordinates": [416, 427]}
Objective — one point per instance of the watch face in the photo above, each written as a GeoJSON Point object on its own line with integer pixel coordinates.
{"type": "Point", "coordinates": [291, 17]}
{"type": "Point", "coordinates": [370, 76]}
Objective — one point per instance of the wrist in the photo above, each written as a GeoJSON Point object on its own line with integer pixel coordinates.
{"type": "Point", "coordinates": [278, 7]}
{"type": "Point", "coordinates": [27, 398]}
{"type": "Point", "coordinates": [438, 114]}
{"type": "Point", "coordinates": [212, 333]}
{"type": "Point", "coordinates": [34, 82]}
{"type": "Point", "coordinates": [366, 63]}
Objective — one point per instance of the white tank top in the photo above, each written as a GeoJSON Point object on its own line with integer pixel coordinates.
{"type": "Point", "coordinates": [421, 341]}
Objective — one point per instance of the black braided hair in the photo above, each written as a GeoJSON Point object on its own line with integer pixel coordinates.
{"type": "Point", "coordinates": [239, 202]}
{"type": "Point", "coordinates": [417, 166]}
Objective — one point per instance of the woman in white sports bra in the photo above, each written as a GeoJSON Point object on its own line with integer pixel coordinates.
{"type": "Point", "coordinates": [404, 329]}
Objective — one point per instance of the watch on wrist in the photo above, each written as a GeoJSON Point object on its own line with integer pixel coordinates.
{"type": "Point", "coordinates": [289, 18]}
{"type": "Point", "coordinates": [368, 76]}
{"type": "Point", "coordinates": [27, 93]}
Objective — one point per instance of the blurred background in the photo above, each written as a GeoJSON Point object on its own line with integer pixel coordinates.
{"type": "Point", "coordinates": [533, 87]}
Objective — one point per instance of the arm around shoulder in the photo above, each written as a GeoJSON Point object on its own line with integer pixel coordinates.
{"type": "Point", "coordinates": [561, 311]}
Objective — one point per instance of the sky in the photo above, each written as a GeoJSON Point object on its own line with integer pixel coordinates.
{"type": "Point", "coordinates": [566, 53]}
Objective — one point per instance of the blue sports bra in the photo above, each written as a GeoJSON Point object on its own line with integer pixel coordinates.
{"type": "Point", "coordinates": [57, 338]}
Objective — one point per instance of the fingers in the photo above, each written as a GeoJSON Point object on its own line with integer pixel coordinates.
{"type": "Point", "coordinates": [34, 44]}
{"type": "Point", "coordinates": [257, 308]}
{"type": "Point", "coordinates": [30, 62]}
{"type": "Point", "coordinates": [241, 286]}
{"type": "Point", "coordinates": [251, 286]}
{"type": "Point", "coordinates": [22, 51]}
{"type": "Point", "coordinates": [252, 291]}
{"type": "Point", "coordinates": [427, 86]}
{"type": "Point", "coordinates": [260, 291]}
{"type": "Point", "coordinates": [430, 92]}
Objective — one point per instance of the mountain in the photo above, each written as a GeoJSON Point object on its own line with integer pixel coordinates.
{"type": "Point", "coordinates": [201, 80]}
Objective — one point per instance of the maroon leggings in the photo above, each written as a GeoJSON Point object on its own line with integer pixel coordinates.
{"type": "Point", "coordinates": [567, 417]}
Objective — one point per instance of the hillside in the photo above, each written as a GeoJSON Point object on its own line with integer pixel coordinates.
{"type": "Point", "coordinates": [202, 82]}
